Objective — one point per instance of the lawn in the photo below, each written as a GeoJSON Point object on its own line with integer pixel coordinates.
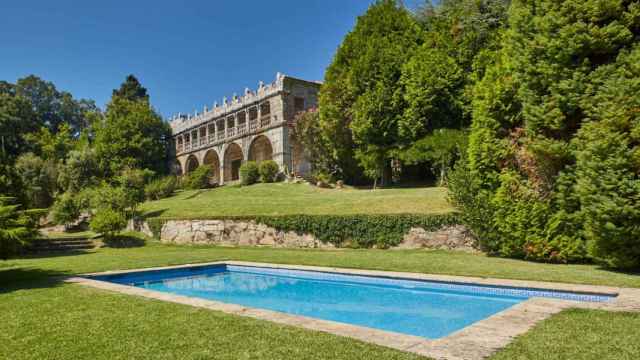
{"type": "Point", "coordinates": [294, 199]}
{"type": "Point", "coordinates": [43, 318]}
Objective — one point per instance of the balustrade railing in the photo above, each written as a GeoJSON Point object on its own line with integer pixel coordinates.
{"type": "Point", "coordinates": [203, 141]}
{"type": "Point", "coordinates": [231, 132]}
{"type": "Point", "coordinates": [253, 125]}
{"type": "Point", "coordinates": [212, 138]}
{"type": "Point", "coordinates": [220, 135]}
{"type": "Point", "coordinates": [265, 121]}
{"type": "Point", "coordinates": [242, 128]}
{"type": "Point", "coordinates": [187, 147]}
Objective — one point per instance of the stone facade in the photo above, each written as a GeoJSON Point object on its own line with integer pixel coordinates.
{"type": "Point", "coordinates": [255, 126]}
{"type": "Point", "coordinates": [250, 233]}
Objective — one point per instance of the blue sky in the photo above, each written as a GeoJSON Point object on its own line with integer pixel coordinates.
{"type": "Point", "coordinates": [187, 53]}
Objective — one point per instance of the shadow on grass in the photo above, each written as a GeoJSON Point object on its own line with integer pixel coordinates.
{"type": "Point", "coordinates": [123, 241]}
{"type": "Point", "coordinates": [153, 214]}
{"type": "Point", "coordinates": [13, 279]}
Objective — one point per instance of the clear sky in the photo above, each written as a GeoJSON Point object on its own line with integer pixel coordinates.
{"type": "Point", "coordinates": [186, 53]}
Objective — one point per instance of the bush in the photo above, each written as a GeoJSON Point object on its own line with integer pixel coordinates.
{"type": "Point", "coordinates": [17, 228]}
{"type": "Point", "coordinates": [268, 171]}
{"type": "Point", "coordinates": [360, 231]}
{"type": "Point", "coordinates": [197, 179]}
{"type": "Point", "coordinates": [108, 222]}
{"type": "Point", "coordinates": [249, 173]}
{"type": "Point", "coordinates": [65, 210]}
{"type": "Point", "coordinates": [160, 188]}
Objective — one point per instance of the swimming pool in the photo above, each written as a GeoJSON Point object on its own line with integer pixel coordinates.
{"type": "Point", "coordinates": [428, 309]}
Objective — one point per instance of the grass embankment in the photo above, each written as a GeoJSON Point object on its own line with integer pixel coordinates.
{"type": "Point", "coordinates": [43, 318]}
{"type": "Point", "coordinates": [296, 199]}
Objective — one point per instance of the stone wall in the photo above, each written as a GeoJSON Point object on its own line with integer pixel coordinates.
{"type": "Point", "coordinates": [250, 233]}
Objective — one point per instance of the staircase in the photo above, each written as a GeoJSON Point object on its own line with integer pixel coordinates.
{"type": "Point", "coordinates": [61, 245]}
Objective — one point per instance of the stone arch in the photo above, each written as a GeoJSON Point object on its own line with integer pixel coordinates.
{"type": "Point", "coordinates": [191, 164]}
{"type": "Point", "coordinates": [260, 149]}
{"type": "Point", "coordinates": [211, 159]}
{"type": "Point", "coordinates": [232, 160]}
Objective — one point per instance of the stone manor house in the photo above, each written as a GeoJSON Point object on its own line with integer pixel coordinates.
{"type": "Point", "coordinates": [255, 127]}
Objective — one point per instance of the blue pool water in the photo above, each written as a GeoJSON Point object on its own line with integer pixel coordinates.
{"type": "Point", "coordinates": [423, 308]}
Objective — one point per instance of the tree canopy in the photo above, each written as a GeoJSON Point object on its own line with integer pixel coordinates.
{"type": "Point", "coordinates": [553, 137]}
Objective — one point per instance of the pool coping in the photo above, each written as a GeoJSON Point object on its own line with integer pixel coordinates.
{"type": "Point", "coordinates": [476, 341]}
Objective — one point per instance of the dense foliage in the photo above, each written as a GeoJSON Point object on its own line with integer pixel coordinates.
{"type": "Point", "coordinates": [161, 188]}
{"type": "Point", "coordinates": [132, 135]}
{"type": "Point", "coordinates": [17, 227]}
{"type": "Point", "coordinates": [66, 209]}
{"type": "Point", "coordinates": [249, 173]}
{"type": "Point", "coordinates": [357, 231]}
{"type": "Point", "coordinates": [268, 170]}
{"type": "Point", "coordinates": [108, 222]}
{"type": "Point", "coordinates": [398, 77]}
{"type": "Point", "coordinates": [198, 178]}
{"type": "Point", "coordinates": [554, 142]}
{"type": "Point", "coordinates": [359, 107]}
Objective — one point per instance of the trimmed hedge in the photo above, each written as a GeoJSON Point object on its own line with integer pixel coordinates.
{"type": "Point", "coordinates": [357, 231]}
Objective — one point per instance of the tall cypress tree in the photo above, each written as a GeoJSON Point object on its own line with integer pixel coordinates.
{"type": "Point", "coordinates": [539, 123]}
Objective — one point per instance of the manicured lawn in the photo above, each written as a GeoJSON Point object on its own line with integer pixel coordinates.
{"type": "Point", "coordinates": [287, 199]}
{"type": "Point", "coordinates": [579, 334]}
{"type": "Point", "coordinates": [43, 318]}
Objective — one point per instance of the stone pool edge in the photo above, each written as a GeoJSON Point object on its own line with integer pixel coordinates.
{"type": "Point", "coordinates": [476, 341]}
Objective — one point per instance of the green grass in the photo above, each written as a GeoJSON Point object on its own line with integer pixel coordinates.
{"type": "Point", "coordinates": [579, 334]}
{"type": "Point", "coordinates": [294, 199]}
{"type": "Point", "coordinates": [43, 318]}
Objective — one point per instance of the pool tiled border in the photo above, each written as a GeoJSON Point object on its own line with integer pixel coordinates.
{"type": "Point", "coordinates": [476, 341]}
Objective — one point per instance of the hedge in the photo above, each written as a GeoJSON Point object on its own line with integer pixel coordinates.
{"type": "Point", "coordinates": [358, 231]}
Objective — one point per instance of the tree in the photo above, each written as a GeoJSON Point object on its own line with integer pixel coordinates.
{"type": "Point", "coordinates": [79, 171]}
{"type": "Point", "coordinates": [52, 108]}
{"type": "Point", "coordinates": [460, 37]}
{"type": "Point", "coordinates": [131, 90]}
{"type": "Point", "coordinates": [39, 178]}
{"type": "Point", "coordinates": [134, 182]}
{"type": "Point", "coordinates": [132, 135]}
{"type": "Point", "coordinates": [359, 103]}
{"type": "Point", "coordinates": [53, 146]}
{"type": "Point", "coordinates": [307, 136]}
{"type": "Point", "coordinates": [16, 228]}
{"type": "Point", "coordinates": [440, 150]}
{"type": "Point", "coordinates": [544, 144]}
{"type": "Point", "coordinates": [108, 222]}
{"type": "Point", "coordinates": [16, 120]}
{"type": "Point", "coordinates": [66, 209]}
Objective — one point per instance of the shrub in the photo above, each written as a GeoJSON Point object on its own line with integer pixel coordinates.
{"type": "Point", "coordinates": [65, 210]}
{"type": "Point", "coordinates": [16, 228]}
{"type": "Point", "coordinates": [198, 179]}
{"type": "Point", "coordinates": [361, 231]}
{"type": "Point", "coordinates": [268, 171]}
{"type": "Point", "coordinates": [160, 188]}
{"type": "Point", "coordinates": [108, 222]}
{"type": "Point", "coordinates": [249, 173]}
{"type": "Point", "coordinates": [321, 179]}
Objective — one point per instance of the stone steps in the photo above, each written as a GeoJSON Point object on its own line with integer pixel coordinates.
{"type": "Point", "coordinates": [61, 245]}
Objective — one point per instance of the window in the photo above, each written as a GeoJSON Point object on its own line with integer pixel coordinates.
{"type": "Point", "coordinates": [298, 104]}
